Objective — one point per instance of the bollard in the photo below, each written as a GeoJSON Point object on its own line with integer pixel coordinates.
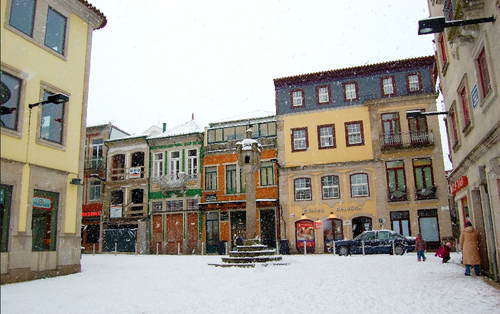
{"type": "Point", "coordinates": [93, 249]}
{"type": "Point", "coordinates": [178, 249]}
{"type": "Point", "coordinates": [157, 249]}
{"type": "Point", "coordinates": [116, 247]}
{"type": "Point", "coordinates": [277, 246]}
{"type": "Point", "coordinates": [202, 247]}
{"type": "Point", "coordinates": [305, 248]}
{"type": "Point", "coordinates": [393, 253]}
{"type": "Point", "coordinates": [363, 246]}
{"type": "Point", "coordinates": [135, 249]}
{"type": "Point", "coordinates": [226, 247]}
{"type": "Point", "coordinates": [333, 247]}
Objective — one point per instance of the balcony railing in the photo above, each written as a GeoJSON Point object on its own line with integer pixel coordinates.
{"type": "Point", "coordinates": [171, 181]}
{"type": "Point", "coordinates": [398, 196]}
{"type": "Point", "coordinates": [407, 139]}
{"type": "Point", "coordinates": [127, 173]}
{"type": "Point", "coordinates": [429, 193]}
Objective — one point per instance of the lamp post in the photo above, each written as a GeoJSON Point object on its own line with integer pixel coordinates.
{"type": "Point", "coordinates": [438, 24]}
{"type": "Point", "coordinates": [52, 99]}
{"type": "Point", "coordinates": [415, 114]}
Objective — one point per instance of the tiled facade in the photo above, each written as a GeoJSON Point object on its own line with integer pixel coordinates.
{"type": "Point", "coordinates": [351, 161]}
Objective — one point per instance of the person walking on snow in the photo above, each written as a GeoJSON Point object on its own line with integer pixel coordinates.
{"type": "Point", "coordinates": [420, 247]}
{"type": "Point", "coordinates": [444, 252]}
{"type": "Point", "coordinates": [469, 243]}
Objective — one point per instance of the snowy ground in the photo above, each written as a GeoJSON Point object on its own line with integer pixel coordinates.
{"type": "Point", "coordinates": [310, 284]}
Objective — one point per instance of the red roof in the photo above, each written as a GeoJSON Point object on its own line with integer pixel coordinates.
{"type": "Point", "coordinates": [97, 11]}
{"type": "Point", "coordinates": [356, 71]}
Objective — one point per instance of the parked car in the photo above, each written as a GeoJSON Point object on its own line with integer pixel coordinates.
{"type": "Point", "coordinates": [374, 242]}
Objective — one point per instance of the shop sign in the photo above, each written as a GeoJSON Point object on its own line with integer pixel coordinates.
{"type": "Point", "coordinates": [42, 202]}
{"type": "Point", "coordinates": [348, 208]}
{"type": "Point", "coordinates": [135, 172]}
{"type": "Point", "coordinates": [318, 225]}
{"type": "Point", "coordinates": [115, 211]}
{"type": "Point", "coordinates": [304, 232]}
{"type": "Point", "coordinates": [459, 184]}
{"type": "Point", "coordinates": [91, 214]}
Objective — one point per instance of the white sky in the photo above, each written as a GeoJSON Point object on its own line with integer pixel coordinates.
{"type": "Point", "coordinates": [159, 61]}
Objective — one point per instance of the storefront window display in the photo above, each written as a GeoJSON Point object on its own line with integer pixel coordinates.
{"type": "Point", "coordinates": [304, 233]}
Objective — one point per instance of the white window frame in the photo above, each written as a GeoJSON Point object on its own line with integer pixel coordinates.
{"type": "Point", "coordinates": [299, 142]}
{"type": "Point", "coordinates": [298, 98]}
{"type": "Point", "coordinates": [192, 164]}
{"type": "Point", "coordinates": [388, 85]}
{"type": "Point", "coordinates": [302, 189]}
{"type": "Point", "coordinates": [354, 134]}
{"type": "Point", "coordinates": [413, 82]}
{"type": "Point", "coordinates": [94, 190]}
{"type": "Point", "coordinates": [158, 159]}
{"type": "Point", "coordinates": [327, 140]}
{"type": "Point", "coordinates": [350, 91]}
{"type": "Point", "coordinates": [323, 95]}
{"type": "Point", "coordinates": [359, 188]}
{"type": "Point", "coordinates": [174, 165]}
{"type": "Point", "coordinates": [331, 190]}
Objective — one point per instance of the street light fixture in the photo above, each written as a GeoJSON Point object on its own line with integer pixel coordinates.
{"type": "Point", "coordinates": [438, 24]}
{"type": "Point", "coordinates": [415, 114]}
{"type": "Point", "coordinates": [54, 99]}
{"type": "Point", "coordinates": [96, 176]}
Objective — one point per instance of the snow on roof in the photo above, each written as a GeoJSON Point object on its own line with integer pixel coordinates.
{"type": "Point", "coordinates": [190, 127]}
{"type": "Point", "coordinates": [250, 115]}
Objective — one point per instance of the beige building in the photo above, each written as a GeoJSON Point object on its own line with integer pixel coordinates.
{"type": "Point", "coordinates": [469, 68]}
{"type": "Point", "coordinates": [45, 68]}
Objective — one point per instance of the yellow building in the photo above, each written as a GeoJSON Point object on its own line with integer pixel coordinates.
{"type": "Point", "coordinates": [44, 90]}
{"type": "Point", "coordinates": [351, 161]}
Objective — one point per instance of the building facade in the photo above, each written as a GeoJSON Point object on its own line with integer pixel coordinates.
{"type": "Point", "coordinates": [175, 189]}
{"type": "Point", "coordinates": [94, 178]}
{"type": "Point", "coordinates": [351, 161]}
{"type": "Point", "coordinates": [45, 52]}
{"type": "Point", "coordinates": [224, 195]}
{"type": "Point", "coordinates": [125, 199]}
{"type": "Point", "coordinates": [469, 65]}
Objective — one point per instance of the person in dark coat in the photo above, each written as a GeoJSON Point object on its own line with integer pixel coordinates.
{"type": "Point", "coordinates": [420, 247]}
{"type": "Point", "coordinates": [444, 252]}
{"type": "Point", "coordinates": [469, 243]}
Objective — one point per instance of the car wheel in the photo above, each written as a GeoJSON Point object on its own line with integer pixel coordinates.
{"type": "Point", "coordinates": [343, 251]}
{"type": "Point", "coordinates": [399, 250]}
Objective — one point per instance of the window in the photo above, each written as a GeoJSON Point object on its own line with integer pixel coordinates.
{"type": "Point", "coordinates": [464, 100]}
{"type": "Point", "coordinates": [302, 189]}
{"type": "Point", "coordinates": [351, 91]}
{"type": "Point", "coordinates": [452, 131]}
{"type": "Point", "coordinates": [359, 185]}
{"type": "Point", "coordinates": [192, 161]}
{"type": "Point", "coordinates": [323, 94]}
{"type": "Point", "coordinates": [396, 182]}
{"type": "Point", "coordinates": [297, 98]}
{"type": "Point", "coordinates": [424, 182]}
{"type": "Point", "coordinates": [175, 165]}
{"type": "Point", "coordinates": [55, 31]}
{"type": "Point", "coordinates": [484, 73]}
{"type": "Point", "coordinates": [192, 204]}
{"type": "Point", "coordinates": [137, 196]}
{"type": "Point", "coordinates": [266, 174]}
{"type": "Point", "coordinates": [44, 220]}
{"type": "Point", "coordinates": [267, 129]}
{"type": "Point", "coordinates": [116, 204]}
{"type": "Point", "coordinates": [157, 165]}
{"type": "Point", "coordinates": [326, 136]}
{"type": "Point", "coordinates": [388, 85]}
{"type": "Point", "coordinates": [330, 185]}
{"type": "Point", "coordinates": [413, 82]}
{"type": "Point", "coordinates": [11, 94]}
{"type": "Point", "coordinates": [231, 187]}
{"type": "Point", "coordinates": [157, 206]}
{"type": "Point", "coordinates": [138, 165]}
{"type": "Point", "coordinates": [354, 133]}
{"type": "Point", "coordinates": [418, 130]}
{"type": "Point", "coordinates": [442, 52]}
{"type": "Point", "coordinates": [400, 221]}
{"type": "Point", "coordinates": [5, 204]}
{"type": "Point", "coordinates": [118, 167]}
{"type": "Point", "coordinates": [173, 206]}
{"type": "Point", "coordinates": [429, 226]}
{"type": "Point", "coordinates": [52, 122]}
{"type": "Point", "coordinates": [22, 16]}
{"type": "Point", "coordinates": [299, 139]}
{"type": "Point", "coordinates": [94, 190]}
{"type": "Point", "coordinates": [97, 153]}
{"type": "Point", "coordinates": [210, 178]}
{"type": "Point", "coordinates": [391, 129]}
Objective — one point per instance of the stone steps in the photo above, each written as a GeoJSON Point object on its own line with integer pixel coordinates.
{"type": "Point", "coordinates": [251, 254]}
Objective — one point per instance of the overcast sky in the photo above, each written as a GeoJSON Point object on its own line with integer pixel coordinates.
{"type": "Point", "coordinates": [160, 61]}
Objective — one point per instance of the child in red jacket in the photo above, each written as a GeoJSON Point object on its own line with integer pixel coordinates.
{"type": "Point", "coordinates": [420, 247]}
{"type": "Point", "coordinates": [444, 252]}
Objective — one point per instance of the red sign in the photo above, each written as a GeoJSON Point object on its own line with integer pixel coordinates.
{"type": "Point", "coordinates": [318, 225]}
{"type": "Point", "coordinates": [459, 184]}
{"type": "Point", "coordinates": [91, 214]}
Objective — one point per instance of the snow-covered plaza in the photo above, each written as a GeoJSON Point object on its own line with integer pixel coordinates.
{"type": "Point", "coordinates": [309, 284]}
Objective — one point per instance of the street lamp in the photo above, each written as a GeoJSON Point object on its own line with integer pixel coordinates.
{"type": "Point", "coordinates": [96, 176]}
{"type": "Point", "coordinates": [415, 114]}
{"type": "Point", "coordinates": [438, 24]}
{"type": "Point", "coordinates": [54, 99]}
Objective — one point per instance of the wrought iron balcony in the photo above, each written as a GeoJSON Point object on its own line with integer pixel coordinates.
{"type": "Point", "coordinates": [406, 139]}
{"type": "Point", "coordinates": [429, 193]}
{"type": "Point", "coordinates": [398, 196]}
{"type": "Point", "coordinates": [171, 181]}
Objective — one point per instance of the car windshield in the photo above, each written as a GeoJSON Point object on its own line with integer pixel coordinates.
{"type": "Point", "coordinates": [370, 235]}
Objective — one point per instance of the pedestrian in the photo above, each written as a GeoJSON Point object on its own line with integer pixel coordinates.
{"type": "Point", "coordinates": [420, 247]}
{"type": "Point", "coordinates": [444, 252]}
{"type": "Point", "coordinates": [469, 243]}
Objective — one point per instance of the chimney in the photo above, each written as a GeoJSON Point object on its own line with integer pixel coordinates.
{"type": "Point", "coordinates": [164, 127]}
{"type": "Point", "coordinates": [192, 116]}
